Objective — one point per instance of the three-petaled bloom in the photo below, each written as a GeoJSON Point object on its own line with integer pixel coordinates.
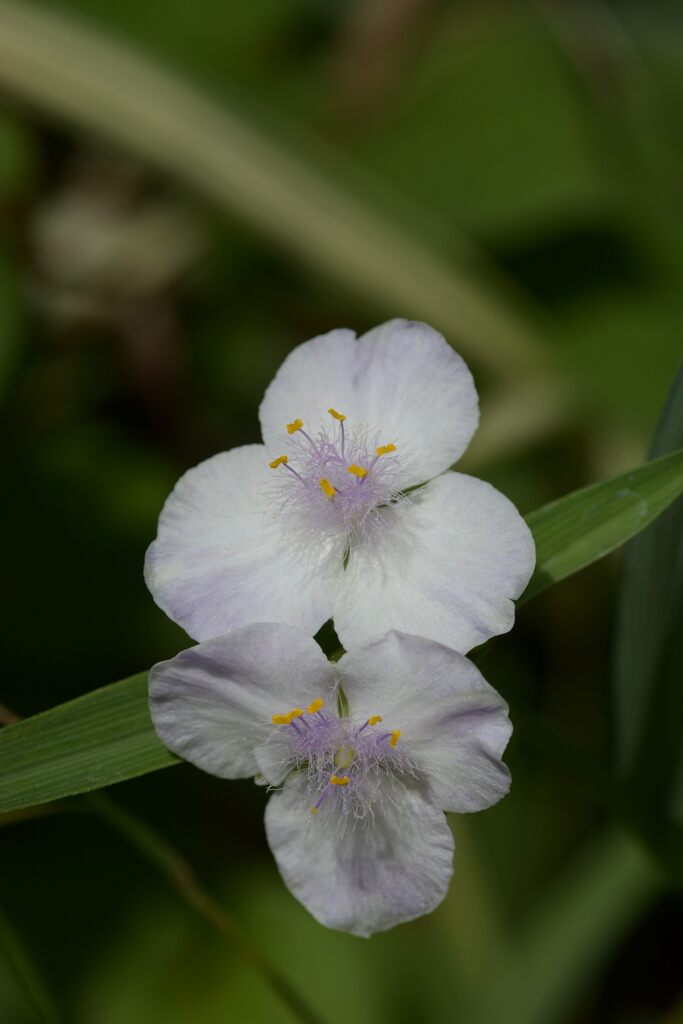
{"type": "Point", "coordinates": [366, 756]}
{"type": "Point", "coordinates": [329, 519]}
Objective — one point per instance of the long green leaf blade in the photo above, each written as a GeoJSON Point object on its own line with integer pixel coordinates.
{"type": "Point", "coordinates": [107, 735]}
{"type": "Point", "coordinates": [582, 527]}
{"type": "Point", "coordinates": [98, 739]}
{"type": "Point", "coordinates": [650, 579]}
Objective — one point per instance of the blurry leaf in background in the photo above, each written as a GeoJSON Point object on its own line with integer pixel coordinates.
{"type": "Point", "coordinates": [17, 167]}
{"type": "Point", "coordinates": [554, 955]}
{"type": "Point", "coordinates": [11, 319]}
{"type": "Point", "coordinates": [648, 690]}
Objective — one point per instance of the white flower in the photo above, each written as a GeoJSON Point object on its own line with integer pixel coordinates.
{"type": "Point", "coordinates": [316, 523]}
{"type": "Point", "coordinates": [357, 824]}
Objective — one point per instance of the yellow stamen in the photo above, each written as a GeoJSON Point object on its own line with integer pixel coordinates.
{"type": "Point", "coordinates": [328, 489]}
{"type": "Point", "coordinates": [314, 810]}
{"type": "Point", "coordinates": [357, 470]}
{"type": "Point", "coordinates": [315, 705]}
{"type": "Point", "coordinates": [394, 737]}
{"type": "Point", "coordinates": [337, 780]}
{"type": "Point", "coordinates": [374, 719]}
{"type": "Point", "coordinates": [384, 449]}
{"type": "Point", "coordinates": [337, 415]}
{"type": "Point", "coordinates": [294, 426]}
{"type": "Point", "coordinates": [288, 718]}
{"type": "Point", "coordinates": [282, 460]}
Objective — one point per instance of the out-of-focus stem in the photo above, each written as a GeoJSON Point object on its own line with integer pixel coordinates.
{"type": "Point", "coordinates": [26, 972]}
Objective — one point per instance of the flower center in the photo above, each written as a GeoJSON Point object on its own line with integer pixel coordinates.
{"type": "Point", "coordinates": [345, 762]}
{"type": "Point", "coordinates": [339, 481]}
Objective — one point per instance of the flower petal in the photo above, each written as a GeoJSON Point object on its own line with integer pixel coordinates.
{"type": "Point", "coordinates": [221, 560]}
{"type": "Point", "coordinates": [402, 381]}
{"type": "Point", "coordinates": [362, 875]}
{"type": "Point", "coordinates": [447, 567]}
{"type": "Point", "coordinates": [453, 723]}
{"type": "Point", "coordinates": [317, 375]}
{"type": "Point", "coordinates": [213, 704]}
{"type": "Point", "coordinates": [420, 393]}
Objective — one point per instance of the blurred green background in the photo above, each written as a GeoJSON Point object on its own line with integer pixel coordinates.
{"type": "Point", "coordinates": [187, 191]}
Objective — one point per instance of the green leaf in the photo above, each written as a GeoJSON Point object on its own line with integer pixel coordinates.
{"type": "Point", "coordinates": [98, 739]}
{"type": "Point", "coordinates": [107, 735]}
{"type": "Point", "coordinates": [649, 645]}
{"type": "Point", "coordinates": [586, 525]}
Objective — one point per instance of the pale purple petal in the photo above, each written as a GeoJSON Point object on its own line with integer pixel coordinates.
{"type": "Point", "coordinates": [317, 375]}
{"type": "Point", "coordinates": [213, 704]}
{"type": "Point", "coordinates": [447, 566]}
{"type": "Point", "coordinates": [222, 558]}
{"type": "Point", "coordinates": [364, 875]}
{"type": "Point", "coordinates": [453, 725]}
{"type": "Point", "coordinates": [402, 383]}
{"type": "Point", "coordinates": [420, 393]}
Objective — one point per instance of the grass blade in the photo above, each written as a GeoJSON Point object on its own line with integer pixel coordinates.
{"type": "Point", "coordinates": [585, 525]}
{"type": "Point", "coordinates": [98, 739]}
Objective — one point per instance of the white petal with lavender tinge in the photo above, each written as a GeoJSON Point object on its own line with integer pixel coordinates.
{"type": "Point", "coordinates": [368, 875]}
{"type": "Point", "coordinates": [213, 704]}
{"type": "Point", "coordinates": [447, 566]}
{"type": "Point", "coordinates": [458, 725]}
{"type": "Point", "coordinates": [222, 560]}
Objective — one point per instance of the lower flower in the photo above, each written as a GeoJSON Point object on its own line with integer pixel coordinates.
{"type": "Point", "coordinates": [364, 757]}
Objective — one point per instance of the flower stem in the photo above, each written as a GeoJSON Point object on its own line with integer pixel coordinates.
{"type": "Point", "coordinates": [179, 872]}
{"type": "Point", "coordinates": [26, 972]}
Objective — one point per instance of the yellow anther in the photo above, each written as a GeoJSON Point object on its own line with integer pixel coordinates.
{"type": "Point", "coordinates": [294, 426]}
{"type": "Point", "coordinates": [338, 780]}
{"type": "Point", "coordinates": [384, 449]}
{"type": "Point", "coordinates": [357, 470]}
{"type": "Point", "coordinates": [282, 460]}
{"type": "Point", "coordinates": [288, 718]}
{"type": "Point", "coordinates": [337, 415]}
{"type": "Point", "coordinates": [394, 737]}
{"type": "Point", "coordinates": [328, 490]}
{"type": "Point", "coordinates": [315, 705]}
{"type": "Point", "coordinates": [374, 719]}
{"type": "Point", "coordinates": [314, 810]}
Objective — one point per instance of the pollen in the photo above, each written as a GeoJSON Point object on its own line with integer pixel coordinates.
{"type": "Point", "coordinates": [337, 415]}
{"type": "Point", "coordinates": [327, 488]}
{"type": "Point", "coordinates": [339, 780]}
{"type": "Point", "coordinates": [357, 470]}
{"type": "Point", "coordinates": [374, 719]}
{"type": "Point", "coordinates": [294, 426]}
{"type": "Point", "coordinates": [384, 449]}
{"type": "Point", "coordinates": [394, 737]}
{"type": "Point", "coordinates": [314, 810]}
{"type": "Point", "coordinates": [282, 460]}
{"type": "Point", "coordinates": [315, 705]}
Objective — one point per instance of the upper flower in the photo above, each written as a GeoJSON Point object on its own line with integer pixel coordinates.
{"type": "Point", "coordinates": [323, 519]}
{"type": "Point", "coordinates": [366, 756]}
